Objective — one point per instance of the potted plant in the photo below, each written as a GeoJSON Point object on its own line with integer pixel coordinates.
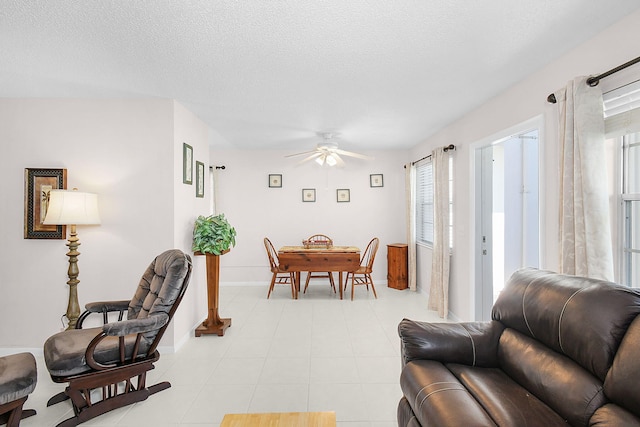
{"type": "Point", "coordinates": [213, 236]}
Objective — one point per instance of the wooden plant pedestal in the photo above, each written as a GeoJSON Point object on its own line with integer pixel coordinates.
{"type": "Point", "coordinates": [213, 324]}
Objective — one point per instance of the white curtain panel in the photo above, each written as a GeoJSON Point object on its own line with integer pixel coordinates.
{"type": "Point", "coordinates": [585, 234]}
{"type": "Point", "coordinates": [410, 190]}
{"type": "Point", "coordinates": [439, 289]}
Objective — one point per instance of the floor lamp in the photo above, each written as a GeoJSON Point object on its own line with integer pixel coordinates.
{"type": "Point", "coordinates": [72, 207]}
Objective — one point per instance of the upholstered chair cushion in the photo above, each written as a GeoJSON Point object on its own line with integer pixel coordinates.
{"type": "Point", "coordinates": [64, 352]}
{"type": "Point", "coordinates": [159, 287]}
{"type": "Point", "coordinates": [18, 376]}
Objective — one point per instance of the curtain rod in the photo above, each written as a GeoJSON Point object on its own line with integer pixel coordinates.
{"type": "Point", "coordinates": [445, 149]}
{"type": "Point", "coordinates": [593, 81]}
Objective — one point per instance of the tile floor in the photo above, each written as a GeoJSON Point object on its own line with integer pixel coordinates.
{"type": "Point", "coordinates": [317, 353]}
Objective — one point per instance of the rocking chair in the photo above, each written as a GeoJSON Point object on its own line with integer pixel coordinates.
{"type": "Point", "coordinates": [114, 359]}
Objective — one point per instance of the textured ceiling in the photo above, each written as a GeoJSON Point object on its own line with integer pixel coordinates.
{"type": "Point", "coordinates": [270, 74]}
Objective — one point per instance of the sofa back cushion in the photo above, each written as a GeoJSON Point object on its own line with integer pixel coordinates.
{"type": "Point", "coordinates": [566, 387]}
{"type": "Point", "coordinates": [584, 319]}
{"type": "Point", "coordinates": [622, 385]}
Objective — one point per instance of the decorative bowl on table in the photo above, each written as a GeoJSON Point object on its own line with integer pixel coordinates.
{"type": "Point", "coordinates": [317, 244]}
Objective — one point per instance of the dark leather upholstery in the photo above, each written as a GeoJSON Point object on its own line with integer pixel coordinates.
{"type": "Point", "coordinates": [560, 350]}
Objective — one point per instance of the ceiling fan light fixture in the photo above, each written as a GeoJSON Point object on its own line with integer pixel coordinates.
{"type": "Point", "coordinates": [331, 160]}
{"type": "Point", "coordinates": [321, 159]}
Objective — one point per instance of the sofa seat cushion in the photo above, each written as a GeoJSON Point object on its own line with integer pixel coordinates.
{"type": "Point", "coordinates": [18, 376]}
{"type": "Point", "coordinates": [611, 415]}
{"type": "Point", "coordinates": [433, 391]}
{"type": "Point", "coordinates": [506, 402]}
{"type": "Point", "coordinates": [64, 352]}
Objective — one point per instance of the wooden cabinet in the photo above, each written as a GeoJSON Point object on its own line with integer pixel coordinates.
{"type": "Point", "coordinates": [397, 262]}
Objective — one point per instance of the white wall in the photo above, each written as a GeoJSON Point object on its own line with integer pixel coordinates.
{"type": "Point", "coordinates": [524, 101]}
{"type": "Point", "coordinates": [257, 211]}
{"type": "Point", "coordinates": [123, 150]}
{"type": "Point", "coordinates": [186, 207]}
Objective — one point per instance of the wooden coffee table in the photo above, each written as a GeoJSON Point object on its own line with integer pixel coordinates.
{"type": "Point", "coordinates": [281, 419]}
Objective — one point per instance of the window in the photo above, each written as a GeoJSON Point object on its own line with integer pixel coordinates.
{"type": "Point", "coordinates": [424, 202]}
{"type": "Point", "coordinates": [631, 210]}
{"type": "Point", "coordinates": [622, 123]}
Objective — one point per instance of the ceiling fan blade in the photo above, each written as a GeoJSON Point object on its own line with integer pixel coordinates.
{"type": "Point", "coordinates": [311, 157]}
{"type": "Point", "coordinates": [300, 154]}
{"type": "Point", "coordinates": [352, 154]}
{"type": "Point", "coordinates": [339, 160]}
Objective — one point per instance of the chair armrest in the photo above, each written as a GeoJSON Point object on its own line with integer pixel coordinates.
{"type": "Point", "coordinates": [102, 306]}
{"type": "Point", "coordinates": [469, 343]}
{"type": "Point", "coordinates": [136, 326]}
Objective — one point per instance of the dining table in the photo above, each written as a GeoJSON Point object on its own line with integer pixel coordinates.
{"type": "Point", "coordinates": [339, 259]}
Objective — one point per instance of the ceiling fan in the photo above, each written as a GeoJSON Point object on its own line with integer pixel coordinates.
{"type": "Point", "coordinates": [327, 152]}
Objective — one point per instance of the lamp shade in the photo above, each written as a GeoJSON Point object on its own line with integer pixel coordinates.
{"type": "Point", "coordinates": [70, 207]}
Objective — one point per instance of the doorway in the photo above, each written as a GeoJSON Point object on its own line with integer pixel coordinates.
{"type": "Point", "coordinates": [508, 218]}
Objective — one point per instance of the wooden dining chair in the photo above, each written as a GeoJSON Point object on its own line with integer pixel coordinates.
{"type": "Point", "coordinates": [318, 241]}
{"type": "Point", "coordinates": [362, 276]}
{"type": "Point", "coordinates": [280, 277]}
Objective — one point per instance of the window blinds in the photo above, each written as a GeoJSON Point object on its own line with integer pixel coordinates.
{"type": "Point", "coordinates": [424, 202]}
{"type": "Point", "coordinates": [622, 110]}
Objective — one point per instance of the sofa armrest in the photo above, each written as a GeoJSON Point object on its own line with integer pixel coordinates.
{"type": "Point", "coordinates": [469, 343]}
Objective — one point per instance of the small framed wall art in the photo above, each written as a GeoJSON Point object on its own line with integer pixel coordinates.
{"type": "Point", "coordinates": [37, 184]}
{"type": "Point", "coordinates": [343, 195]}
{"type": "Point", "coordinates": [187, 164]}
{"type": "Point", "coordinates": [275, 180]}
{"type": "Point", "coordinates": [308, 194]}
{"type": "Point", "coordinates": [199, 179]}
{"type": "Point", "coordinates": [376, 180]}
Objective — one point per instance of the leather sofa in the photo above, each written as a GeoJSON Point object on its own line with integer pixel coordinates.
{"type": "Point", "coordinates": [560, 350]}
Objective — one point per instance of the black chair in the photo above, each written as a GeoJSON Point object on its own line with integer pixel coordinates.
{"type": "Point", "coordinates": [115, 358]}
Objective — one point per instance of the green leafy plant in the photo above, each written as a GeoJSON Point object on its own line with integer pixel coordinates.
{"type": "Point", "coordinates": [213, 235]}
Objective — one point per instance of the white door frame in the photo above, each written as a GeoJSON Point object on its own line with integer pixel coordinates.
{"type": "Point", "coordinates": [475, 248]}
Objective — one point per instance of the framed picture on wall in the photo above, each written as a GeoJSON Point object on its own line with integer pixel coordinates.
{"type": "Point", "coordinates": [308, 194]}
{"type": "Point", "coordinates": [275, 180]}
{"type": "Point", "coordinates": [343, 195]}
{"type": "Point", "coordinates": [376, 180]}
{"type": "Point", "coordinates": [199, 179]}
{"type": "Point", "coordinates": [187, 164]}
{"type": "Point", "coordinates": [37, 184]}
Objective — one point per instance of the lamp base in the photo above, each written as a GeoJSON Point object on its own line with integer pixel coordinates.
{"type": "Point", "coordinates": [73, 307]}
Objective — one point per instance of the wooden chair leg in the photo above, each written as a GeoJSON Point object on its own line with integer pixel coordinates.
{"type": "Point", "coordinates": [372, 287]}
{"type": "Point", "coordinates": [346, 281]}
{"type": "Point", "coordinates": [294, 290]}
{"type": "Point", "coordinates": [333, 285]}
{"type": "Point", "coordinates": [13, 412]}
{"type": "Point", "coordinates": [353, 285]}
{"type": "Point", "coordinates": [273, 282]}
{"type": "Point", "coordinates": [306, 283]}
